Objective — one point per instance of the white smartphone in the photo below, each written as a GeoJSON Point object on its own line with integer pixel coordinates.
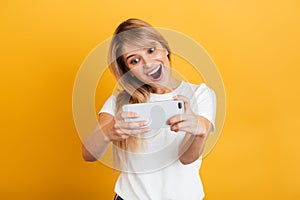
{"type": "Point", "coordinates": [156, 113]}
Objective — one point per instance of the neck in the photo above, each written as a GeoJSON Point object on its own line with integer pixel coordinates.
{"type": "Point", "coordinates": [173, 84]}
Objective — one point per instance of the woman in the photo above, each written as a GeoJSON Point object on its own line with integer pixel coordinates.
{"type": "Point", "coordinates": [154, 164]}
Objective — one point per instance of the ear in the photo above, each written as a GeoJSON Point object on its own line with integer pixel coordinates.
{"type": "Point", "coordinates": [167, 52]}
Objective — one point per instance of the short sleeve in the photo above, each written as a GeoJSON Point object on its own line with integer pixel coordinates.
{"type": "Point", "coordinates": [109, 106]}
{"type": "Point", "coordinates": [206, 103]}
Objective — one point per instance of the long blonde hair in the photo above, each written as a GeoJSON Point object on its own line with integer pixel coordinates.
{"type": "Point", "coordinates": [138, 34]}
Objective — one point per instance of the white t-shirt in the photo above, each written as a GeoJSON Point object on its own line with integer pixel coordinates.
{"type": "Point", "coordinates": [155, 173]}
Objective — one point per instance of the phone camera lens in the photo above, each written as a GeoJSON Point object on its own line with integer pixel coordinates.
{"type": "Point", "coordinates": [179, 105]}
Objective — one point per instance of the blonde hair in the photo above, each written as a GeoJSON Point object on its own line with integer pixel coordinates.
{"type": "Point", "coordinates": [137, 34]}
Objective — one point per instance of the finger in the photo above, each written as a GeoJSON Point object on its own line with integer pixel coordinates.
{"type": "Point", "coordinates": [178, 118]}
{"type": "Point", "coordinates": [131, 125]}
{"type": "Point", "coordinates": [123, 115]}
{"type": "Point", "coordinates": [180, 97]}
{"type": "Point", "coordinates": [175, 119]}
{"type": "Point", "coordinates": [190, 127]}
{"type": "Point", "coordinates": [185, 100]}
{"type": "Point", "coordinates": [124, 136]}
{"type": "Point", "coordinates": [129, 115]}
{"type": "Point", "coordinates": [119, 135]}
{"type": "Point", "coordinates": [184, 126]}
{"type": "Point", "coordinates": [134, 132]}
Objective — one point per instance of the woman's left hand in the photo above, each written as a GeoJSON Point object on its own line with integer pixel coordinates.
{"type": "Point", "coordinates": [189, 122]}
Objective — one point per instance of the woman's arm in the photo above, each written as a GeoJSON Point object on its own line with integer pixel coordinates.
{"type": "Point", "coordinates": [110, 129]}
{"type": "Point", "coordinates": [197, 129]}
{"type": "Point", "coordinates": [193, 145]}
{"type": "Point", "coordinates": [96, 143]}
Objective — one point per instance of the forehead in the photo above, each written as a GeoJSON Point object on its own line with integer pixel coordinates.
{"type": "Point", "coordinates": [134, 47]}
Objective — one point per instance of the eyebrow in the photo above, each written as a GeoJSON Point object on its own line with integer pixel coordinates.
{"type": "Point", "coordinates": [130, 56]}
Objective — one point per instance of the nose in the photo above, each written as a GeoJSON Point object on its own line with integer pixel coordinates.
{"type": "Point", "coordinates": [147, 62]}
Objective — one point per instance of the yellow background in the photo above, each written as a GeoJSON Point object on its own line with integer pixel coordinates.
{"type": "Point", "coordinates": [255, 45]}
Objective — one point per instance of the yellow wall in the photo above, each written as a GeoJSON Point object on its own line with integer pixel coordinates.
{"type": "Point", "coordinates": [255, 45]}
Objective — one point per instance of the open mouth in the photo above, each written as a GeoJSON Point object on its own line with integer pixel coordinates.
{"type": "Point", "coordinates": [156, 74]}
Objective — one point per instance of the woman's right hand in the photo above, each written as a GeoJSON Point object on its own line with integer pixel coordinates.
{"type": "Point", "coordinates": [119, 130]}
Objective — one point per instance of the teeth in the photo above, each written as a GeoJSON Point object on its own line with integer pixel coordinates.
{"type": "Point", "coordinates": [149, 74]}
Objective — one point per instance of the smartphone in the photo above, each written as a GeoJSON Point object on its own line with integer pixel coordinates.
{"type": "Point", "coordinates": [156, 113]}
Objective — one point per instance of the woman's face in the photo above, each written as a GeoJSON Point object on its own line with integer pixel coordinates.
{"type": "Point", "coordinates": [150, 65]}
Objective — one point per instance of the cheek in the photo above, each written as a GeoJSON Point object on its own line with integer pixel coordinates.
{"type": "Point", "coordinates": [137, 71]}
{"type": "Point", "coordinates": [163, 56]}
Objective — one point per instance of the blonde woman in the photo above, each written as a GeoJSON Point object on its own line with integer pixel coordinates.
{"type": "Point", "coordinates": [155, 164]}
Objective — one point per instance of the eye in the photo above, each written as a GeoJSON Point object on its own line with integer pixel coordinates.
{"type": "Point", "coordinates": [151, 50]}
{"type": "Point", "coordinates": [134, 61]}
